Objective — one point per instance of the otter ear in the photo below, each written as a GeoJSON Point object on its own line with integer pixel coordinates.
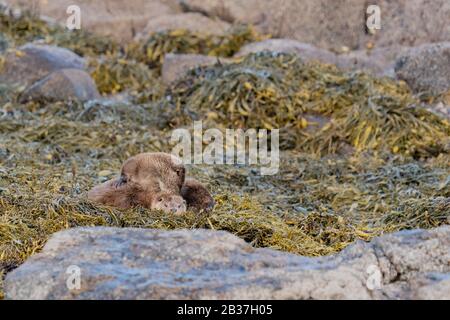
{"type": "Point", "coordinates": [181, 172]}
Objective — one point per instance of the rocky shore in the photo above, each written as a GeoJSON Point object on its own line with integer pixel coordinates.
{"type": "Point", "coordinates": [361, 205]}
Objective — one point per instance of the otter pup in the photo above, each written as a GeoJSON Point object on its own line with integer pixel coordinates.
{"type": "Point", "coordinates": [196, 195]}
{"type": "Point", "coordinates": [147, 175]}
{"type": "Point", "coordinates": [170, 203]}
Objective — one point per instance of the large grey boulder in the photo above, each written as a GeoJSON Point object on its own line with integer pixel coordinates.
{"type": "Point", "coordinates": [32, 62]}
{"type": "Point", "coordinates": [115, 263]}
{"type": "Point", "coordinates": [426, 68]}
{"type": "Point", "coordinates": [62, 85]}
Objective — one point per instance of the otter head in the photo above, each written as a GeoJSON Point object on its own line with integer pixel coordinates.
{"type": "Point", "coordinates": [153, 172]}
{"type": "Point", "coordinates": [168, 202]}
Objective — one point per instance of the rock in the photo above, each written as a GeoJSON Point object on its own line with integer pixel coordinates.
{"type": "Point", "coordinates": [194, 22]}
{"type": "Point", "coordinates": [378, 61]}
{"type": "Point", "coordinates": [318, 22]}
{"type": "Point", "coordinates": [32, 62]}
{"type": "Point", "coordinates": [333, 24]}
{"type": "Point", "coordinates": [61, 85]}
{"type": "Point", "coordinates": [411, 22]}
{"type": "Point", "coordinates": [426, 67]}
{"type": "Point", "coordinates": [435, 287]}
{"type": "Point", "coordinates": [305, 51]}
{"type": "Point", "coordinates": [176, 66]}
{"type": "Point", "coordinates": [116, 18]}
{"type": "Point", "coordinates": [254, 12]}
{"type": "Point", "coordinates": [117, 263]}
{"type": "Point", "coordinates": [328, 24]}
{"type": "Point", "coordinates": [442, 109]}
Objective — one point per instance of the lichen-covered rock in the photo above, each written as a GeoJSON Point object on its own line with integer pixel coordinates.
{"type": "Point", "coordinates": [62, 85]}
{"type": "Point", "coordinates": [176, 66]}
{"type": "Point", "coordinates": [426, 68]}
{"type": "Point", "coordinates": [305, 51]}
{"type": "Point", "coordinates": [194, 22]}
{"type": "Point", "coordinates": [32, 62]}
{"type": "Point", "coordinates": [115, 263]}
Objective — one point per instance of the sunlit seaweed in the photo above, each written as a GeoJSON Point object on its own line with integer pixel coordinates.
{"type": "Point", "coordinates": [26, 27]}
{"type": "Point", "coordinates": [113, 74]}
{"type": "Point", "coordinates": [151, 51]}
{"type": "Point", "coordinates": [279, 91]}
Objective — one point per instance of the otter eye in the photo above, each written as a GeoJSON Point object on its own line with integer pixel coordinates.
{"type": "Point", "coordinates": [160, 199]}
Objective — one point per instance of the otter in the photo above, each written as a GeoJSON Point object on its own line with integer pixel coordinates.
{"type": "Point", "coordinates": [147, 175]}
{"type": "Point", "coordinates": [168, 202]}
{"type": "Point", "coordinates": [141, 178]}
{"type": "Point", "coordinates": [197, 196]}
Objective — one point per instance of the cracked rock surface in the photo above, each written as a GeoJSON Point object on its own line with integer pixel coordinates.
{"type": "Point", "coordinates": [126, 263]}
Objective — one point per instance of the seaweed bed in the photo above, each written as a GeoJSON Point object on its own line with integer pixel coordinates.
{"type": "Point", "coordinates": [360, 156]}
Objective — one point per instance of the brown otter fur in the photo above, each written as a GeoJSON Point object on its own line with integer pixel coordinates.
{"type": "Point", "coordinates": [142, 177]}
{"type": "Point", "coordinates": [154, 171]}
{"type": "Point", "coordinates": [169, 202]}
{"type": "Point", "coordinates": [197, 196]}
{"type": "Point", "coordinates": [112, 193]}
{"type": "Point", "coordinates": [147, 175]}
